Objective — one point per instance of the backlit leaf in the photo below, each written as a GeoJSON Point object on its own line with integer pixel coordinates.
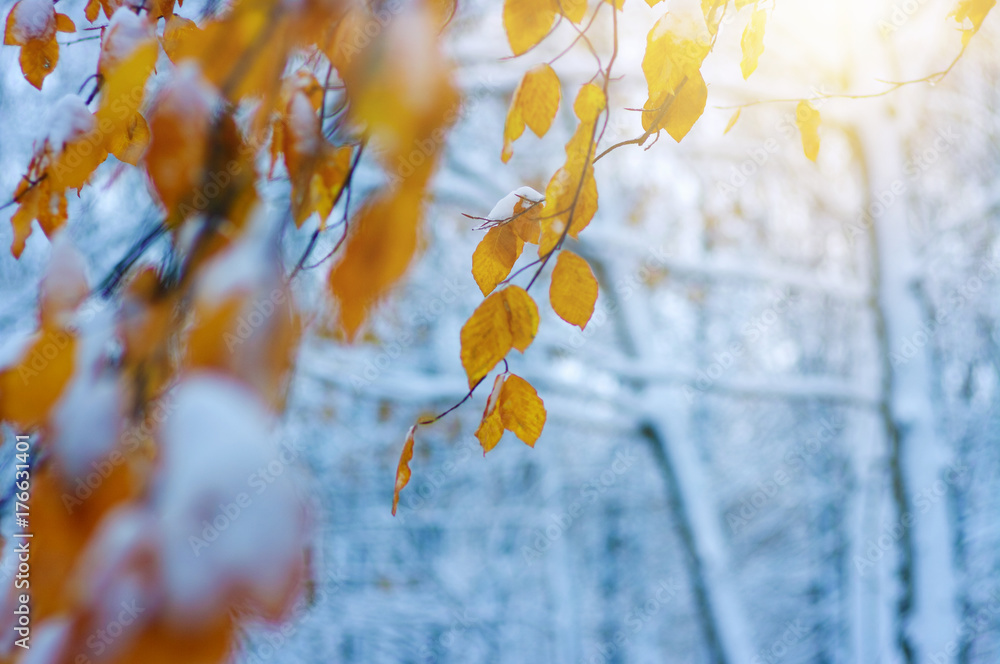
{"type": "Point", "coordinates": [807, 118]}
{"type": "Point", "coordinates": [753, 42]}
{"type": "Point", "coordinates": [573, 291]}
{"type": "Point", "coordinates": [527, 22]}
{"type": "Point", "coordinates": [975, 12]}
{"type": "Point", "coordinates": [535, 103]}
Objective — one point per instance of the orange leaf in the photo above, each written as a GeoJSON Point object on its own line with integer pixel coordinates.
{"type": "Point", "coordinates": [403, 469]}
{"type": "Point", "coordinates": [506, 319]}
{"type": "Point", "coordinates": [573, 291]}
{"type": "Point", "coordinates": [521, 409]}
{"type": "Point", "coordinates": [491, 428]}
{"type": "Point", "coordinates": [495, 257]}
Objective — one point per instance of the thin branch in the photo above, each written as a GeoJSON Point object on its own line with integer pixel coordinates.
{"type": "Point", "coordinates": [468, 396]}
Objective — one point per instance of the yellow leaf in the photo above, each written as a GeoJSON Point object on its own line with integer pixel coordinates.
{"type": "Point", "coordinates": [495, 256]}
{"type": "Point", "coordinates": [574, 10]}
{"type": "Point", "coordinates": [178, 34]}
{"type": "Point", "coordinates": [617, 4]}
{"type": "Point", "coordinates": [571, 195]}
{"type": "Point", "coordinates": [713, 11]}
{"type": "Point", "coordinates": [732, 121]}
{"type": "Point", "coordinates": [535, 103]}
{"type": "Point", "coordinates": [753, 42]}
{"type": "Point", "coordinates": [403, 469]}
{"type": "Point", "coordinates": [675, 50]}
{"type": "Point", "coordinates": [975, 12]}
{"type": "Point", "coordinates": [521, 409]}
{"type": "Point", "coordinates": [376, 255]}
{"type": "Point", "coordinates": [506, 319]}
{"type": "Point", "coordinates": [527, 220]}
{"type": "Point", "coordinates": [527, 22]}
{"type": "Point", "coordinates": [130, 144]}
{"type": "Point", "coordinates": [30, 387]}
{"type": "Point", "coordinates": [491, 428]}
{"type": "Point", "coordinates": [573, 291]}
{"type": "Point", "coordinates": [807, 118]}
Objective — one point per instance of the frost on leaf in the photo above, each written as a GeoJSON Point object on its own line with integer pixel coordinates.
{"type": "Point", "coordinates": [807, 118]}
{"type": "Point", "coordinates": [535, 103]}
{"type": "Point", "coordinates": [573, 291]}
{"type": "Point", "coordinates": [506, 319]}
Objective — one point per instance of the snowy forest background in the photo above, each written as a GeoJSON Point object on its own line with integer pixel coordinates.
{"type": "Point", "coordinates": [829, 493]}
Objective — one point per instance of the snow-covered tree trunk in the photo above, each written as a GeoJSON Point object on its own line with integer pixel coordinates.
{"type": "Point", "coordinates": [919, 460]}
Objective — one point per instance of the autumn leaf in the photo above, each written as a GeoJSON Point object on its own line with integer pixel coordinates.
{"type": "Point", "coordinates": [403, 468]}
{"type": "Point", "coordinates": [32, 25]}
{"type": "Point", "coordinates": [506, 319]}
{"type": "Point", "coordinates": [491, 427]}
{"type": "Point", "coordinates": [535, 103]}
{"type": "Point", "coordinates": [521, 410]}
{"type": "Point", "coordinates": [675, 50]}
{"type": "Point", "coordinates": [495, 256]}
{"type": "Point", "coordinates": [571, 195]}
{"type": "Point", "coordinates": [753, 42]}
{"type": "Point", "coordinates": [527, 22]}
{"type": "Point", "coordinates": [807, 118]}
{"type": "Point", "coordinates": [732, 121]}
{"type": "Point", "coordinates": [178, 35]}
{"type": "Point", "coordinates": [573, 291]}
{"type": "Point", "coordinates": [513, 405]}
{"type": "Point", "coordinates": [975, 12]}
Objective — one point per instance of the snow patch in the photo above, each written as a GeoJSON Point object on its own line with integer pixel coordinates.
{"type": "Point", "coordinates": [68, 120]}
{"type": "Point", "coordinates": [125, 32]}
{"type": "Point", "coordinates": [34, 19]}
{"type": "Point", "coordinates": [504, 209]}
{"type": "Point", "coordinates": [232, 522]}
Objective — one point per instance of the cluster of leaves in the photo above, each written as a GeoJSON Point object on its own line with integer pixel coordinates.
{"type": "Point", "coordinates": [206, 110]}
{"type": "Point", "coordinates": [676, 48]}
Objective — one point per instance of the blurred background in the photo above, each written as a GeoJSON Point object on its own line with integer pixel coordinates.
{"type": "Point", "coordinates": [777, 439]}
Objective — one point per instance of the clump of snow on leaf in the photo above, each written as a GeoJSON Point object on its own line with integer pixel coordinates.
{"type": "Point", "coordinates": [233, 524]}
{"type": "Point", "coordinates": [125, 32]}
{"type": "Point", "coordinates": [68, 120]}
{"type": "Point", "coordinates": [504, 209]}
{"type": "Point", "coordinates": [34, 19]}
